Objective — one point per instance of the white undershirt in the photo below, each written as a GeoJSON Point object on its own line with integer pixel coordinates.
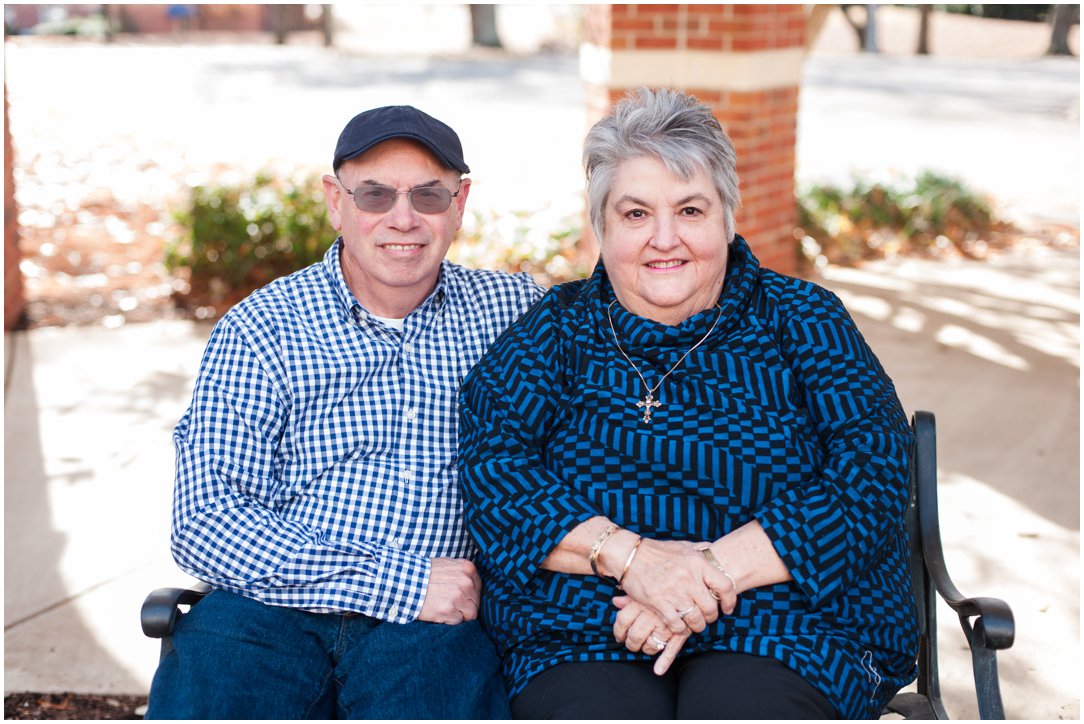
{"type": "Point", "coordinates": [399, 324]}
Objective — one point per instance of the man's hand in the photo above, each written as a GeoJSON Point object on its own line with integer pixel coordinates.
{"type": "Point", "coordinates": [454, 591]}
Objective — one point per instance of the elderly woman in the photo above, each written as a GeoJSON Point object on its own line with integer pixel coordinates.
{"type": "Point", "coordinates": [686, 474]}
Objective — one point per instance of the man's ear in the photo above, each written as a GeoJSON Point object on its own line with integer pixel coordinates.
{"type": "Point", "coordinates": [333, 197]}
{"type": "Point", "coordinates": [461, 201]}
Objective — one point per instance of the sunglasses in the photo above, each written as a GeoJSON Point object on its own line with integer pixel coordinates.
{"type": "Point", "coordinates": [378, 199]}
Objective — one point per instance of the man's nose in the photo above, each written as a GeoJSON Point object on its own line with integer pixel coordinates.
{"type": "Point", "coordinates": [402, 214]}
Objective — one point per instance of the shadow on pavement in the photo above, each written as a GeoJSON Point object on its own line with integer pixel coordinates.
{"type": "Point", "coordinates": [43, 625]}
{"type": "Point", "coordinates": [992, 348]}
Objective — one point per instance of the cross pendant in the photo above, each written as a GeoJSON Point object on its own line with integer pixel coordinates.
{"type": "Point", "coordinates": [646, 404]}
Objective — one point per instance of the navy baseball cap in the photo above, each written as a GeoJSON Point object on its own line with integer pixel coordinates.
{"type": "Point", "coordinates": [367, 129]}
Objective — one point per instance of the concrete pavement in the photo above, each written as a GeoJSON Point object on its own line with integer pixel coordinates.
{"type": "Point", "coordinates": [991, 347]}
{"type": "Point", "coordinates": [87, 465]}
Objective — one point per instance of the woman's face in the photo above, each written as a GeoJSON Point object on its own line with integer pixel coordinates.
{"type": "Point", "coordinates": [665, 244]}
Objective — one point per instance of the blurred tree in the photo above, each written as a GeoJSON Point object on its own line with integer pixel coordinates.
{"type": "Point", "coordinates": [483, 26]}
{"type": "Point", "coordinates": [1062, 19]}
{"type": "Point", "coordinates": [923, 47]}
{"type": "Point", "coordinates": [107, 15]}
{"type": "Point", "coordinates": [327, 25]}
{"type": "Point", "coordinates": [1031, 12]}
{"type": "Point", "coordinates": [279, 22]}
{"type": "Point", "coordinates": [867, 30]}
{"type": "Point", "coordinates": [285, 18]}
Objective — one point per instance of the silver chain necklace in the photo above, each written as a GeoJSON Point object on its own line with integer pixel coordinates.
{"type": "Point", "coordinates": [649, 402]}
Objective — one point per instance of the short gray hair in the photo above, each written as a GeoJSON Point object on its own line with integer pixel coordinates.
{"type": "Point", "coordinates": [673, 127]}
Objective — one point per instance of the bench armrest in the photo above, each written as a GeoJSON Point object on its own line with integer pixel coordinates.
{"type": "Point", "coordinates": [987, 623]}
{"type": "Point", "coordinates": [994, 629]}
{"type": "Point", "coordinates": [160, 609]}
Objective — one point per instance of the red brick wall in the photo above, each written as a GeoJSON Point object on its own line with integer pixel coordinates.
{"type": "Point", "coordinates": [762, 123]}
{"type": "Point", "coordinates": [763, 127]}
{"type": "Point", "coordinates": [13, 279]}
{"type": "Point", "coordinates": [707, 27]}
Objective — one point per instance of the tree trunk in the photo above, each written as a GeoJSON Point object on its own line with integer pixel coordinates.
{"type": "Point", "coordinates": [924, 12]}
{"type": "Point", "coordinates": [1061, 20]}
{"type": "Point", "coordinates": [871, 29]}
{"type": "Point", "coordinates": [859, 29]}
{"type": "Point", "coordinates": [327, 22]}
{"type": "Point", "coordinates": [483, 26]}
{"type": "Point", "coordinates": [107, 18]}
{"type": "Point", "coordinates": [867, 31]}
{"type": "Point", "coordinates": [278, 23]}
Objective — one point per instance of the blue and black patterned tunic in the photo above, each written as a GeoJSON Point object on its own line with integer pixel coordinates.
{"type": "Point", "coordinates": [783, 415]}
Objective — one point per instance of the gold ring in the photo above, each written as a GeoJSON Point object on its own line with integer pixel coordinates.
{"type": "Point", "coordinates": [714, 594]}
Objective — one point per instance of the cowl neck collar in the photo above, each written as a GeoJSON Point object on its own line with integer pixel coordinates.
{"type": "Point", "coordinates": [646, 338]}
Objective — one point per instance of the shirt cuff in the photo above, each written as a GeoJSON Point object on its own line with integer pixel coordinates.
{"type": "Point", "coordinates": [400, 585]}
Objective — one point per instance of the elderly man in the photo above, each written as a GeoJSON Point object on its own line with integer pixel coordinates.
{"type": "Point", "coordinates": [316, 467]}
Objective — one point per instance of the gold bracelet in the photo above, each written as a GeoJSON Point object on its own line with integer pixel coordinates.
{"type": "Point", "coordinates": [628, 561]}
{"type": "Point", "coordinates": [597, 547]}
{"type": "Point", "coordinates": [719, 567]}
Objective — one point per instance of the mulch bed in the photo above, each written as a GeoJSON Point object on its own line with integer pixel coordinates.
{"type": "Point", "coordinates": [73, 706]}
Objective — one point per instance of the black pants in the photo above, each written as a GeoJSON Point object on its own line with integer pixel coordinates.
{"type": "Point", "coordinates": [706, 686]}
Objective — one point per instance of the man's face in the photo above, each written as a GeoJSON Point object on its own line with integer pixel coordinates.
{"type": "Point", "coordinates": [391, 260]}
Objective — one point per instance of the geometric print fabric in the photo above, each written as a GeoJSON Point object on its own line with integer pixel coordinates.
{"type": "Point", "coordinates": [783, 416]}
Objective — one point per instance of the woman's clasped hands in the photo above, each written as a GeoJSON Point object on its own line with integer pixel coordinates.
{"type": "Point", "coordinates": [673, 589]}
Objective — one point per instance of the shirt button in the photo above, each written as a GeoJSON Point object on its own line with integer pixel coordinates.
{"type": "Point", "coordinates": [394, 543]}
{"type": "Point", "coordinates": [411, 415]}
{"type": "Point", "coordinates": [406, 347]}
{"type": "Point", "coordinates": [393, 611]}
{"type": "Point", "coordinates": [407, 474]}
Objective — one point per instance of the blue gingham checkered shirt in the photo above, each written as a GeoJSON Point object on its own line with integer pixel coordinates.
{"type": "Point", "coordinates": [316, 466]}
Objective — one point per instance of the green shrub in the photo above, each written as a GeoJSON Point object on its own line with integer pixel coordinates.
{"type": "Point", "coordinates": [237, 238]}
{"type": "Point", "coordinates": [871, 220]}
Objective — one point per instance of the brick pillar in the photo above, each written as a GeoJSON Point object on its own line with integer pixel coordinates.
{"type": "Point", "coordinates": [13, 278]}
{"type": "Point", "coordinates": [745, 62]}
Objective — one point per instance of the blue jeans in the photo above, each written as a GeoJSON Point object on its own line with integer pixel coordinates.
{"type": "Point", "coordinates": [236, 658]}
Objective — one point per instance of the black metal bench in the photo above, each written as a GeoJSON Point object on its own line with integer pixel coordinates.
{"type": "Point", "coordinates": [987, 622]}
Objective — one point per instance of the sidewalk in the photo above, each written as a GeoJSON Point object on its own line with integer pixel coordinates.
{"type": "Point", "coordinates": [992, 348]}
{"type": "Point", "coordinates": [87, 466]}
